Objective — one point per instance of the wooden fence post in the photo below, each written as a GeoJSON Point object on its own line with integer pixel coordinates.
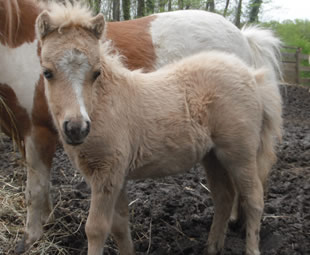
{"type": "Point", "coordinates": [298, 50]}
{"type": "Point", "coordinates": [293, 69]}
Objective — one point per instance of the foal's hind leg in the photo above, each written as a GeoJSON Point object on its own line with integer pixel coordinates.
{"type": "Point", "coordinates": [242, 168]}
{"type": "Point", "coordinates": [265, 159]}
{"type": "Point", "coordinates": [237, 216]}
{"type": "Point", "coordinates": [222, 193]}
{"type": "Point", "coordinates": [120, 226]}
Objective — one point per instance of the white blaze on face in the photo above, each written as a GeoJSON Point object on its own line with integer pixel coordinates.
{"type": "Point", "coordinates": [20, 69]}
{"type": "Point", "coordinates": [75, 65]}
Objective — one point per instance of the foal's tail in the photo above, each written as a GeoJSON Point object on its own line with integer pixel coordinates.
{"type": "Point", "coordinates": [271, 130]}
{"type": "Point", "coordinates": [265, 50]}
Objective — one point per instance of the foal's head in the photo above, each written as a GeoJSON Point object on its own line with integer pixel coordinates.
{"type": "Point", "coordinates": [70, 58]}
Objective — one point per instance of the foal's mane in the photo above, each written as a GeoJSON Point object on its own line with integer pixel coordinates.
{"type": "Point", "coordinates": [69, 14]}
{"type": "Point", "coordinates": [111, 59]}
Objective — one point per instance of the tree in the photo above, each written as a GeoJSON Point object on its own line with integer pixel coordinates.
{"type": "Point", "coordinates": [126, 9]}
{"type": "Point", "coordinates": [169, 5]}
{"type": "Point", "coordinates": [254, 7]}
{"type": "Point", "coordinates": [162, 4]}
{"type": "Point", "coordinates": [150, 6]}
{"type": "Point", "coordinates": [238, 14]}
{"type": "Point", "coordinates": [90, 2]}
{"type": "Point", "coordinates": [95, 5]}
{"type": "Point", "coordinates": [226, 8]}
{"type": "Point", "coordinates": [140, 9]}
{"type": "Point", "coordinates": [210, 6]}
{"type": "Point", "coordinates": [116, 10]}
{"type": "Point", "coordinates": [181, 4]}
{"type": "Point", "coordinates": [188, 4]}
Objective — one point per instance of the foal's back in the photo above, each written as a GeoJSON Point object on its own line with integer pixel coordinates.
{"type": "Point", "coordinates": [189, 107]}
{"type": "Point", "coordinates": [200, 82]}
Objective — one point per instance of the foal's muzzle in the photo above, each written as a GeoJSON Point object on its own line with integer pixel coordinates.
{"type": "Point", "coordinates": [76, 131]}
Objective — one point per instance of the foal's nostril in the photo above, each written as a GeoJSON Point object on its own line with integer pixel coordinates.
{"type": "Point", "coordinates": [76, 131]}
{"type": "Point", "coordinates": [65, 127]}
{"type": "Point", "coordinates": [87, 127]}
{"type": "Point", "coordinates": [85, 131]}
{"type": "Point", "coordinates": [72, 129]}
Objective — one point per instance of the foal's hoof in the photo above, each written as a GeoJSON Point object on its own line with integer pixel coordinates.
{"type": "Point", "coordinates": [21, 246]}
{"type": "Point", "coordinates": [237, 225]}
{"type": "Point", "coordinates": [208, 251]}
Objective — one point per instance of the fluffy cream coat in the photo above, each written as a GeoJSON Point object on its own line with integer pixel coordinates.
{"type": "Point", "coordinates": [209, 108]}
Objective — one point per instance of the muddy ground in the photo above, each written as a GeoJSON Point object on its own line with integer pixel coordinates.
{"type": "Point", "coordinates": [171, 215]}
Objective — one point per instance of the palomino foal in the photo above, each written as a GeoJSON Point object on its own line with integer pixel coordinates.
{"type": "Point", "coordinates": [117, 124]}
{"type": "Point", "coordinates": [143, 42]}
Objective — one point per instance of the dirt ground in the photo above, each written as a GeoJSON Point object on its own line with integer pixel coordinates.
{"type": "Point", "coordinates": [171, 215]}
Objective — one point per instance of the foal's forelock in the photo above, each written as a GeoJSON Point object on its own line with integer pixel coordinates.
{"type": "Point", "coordinates": [74, 65]}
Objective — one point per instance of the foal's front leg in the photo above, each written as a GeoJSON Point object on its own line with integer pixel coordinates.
{"type": "Point", "coordinates": [120, 228]}
{"type": "Point", "coordinates": [99, 222]}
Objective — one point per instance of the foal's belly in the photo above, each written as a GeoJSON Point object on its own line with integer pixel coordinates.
{"type": "Point", "coordinates": [161, 169]}
{"type": "Point", "coordinates": [170, 161]}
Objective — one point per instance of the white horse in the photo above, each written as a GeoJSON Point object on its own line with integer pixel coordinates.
{"type": "Point", "coordinates": [117, 124]}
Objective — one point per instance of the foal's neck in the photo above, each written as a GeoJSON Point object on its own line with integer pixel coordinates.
{"type": "Point", "coordinates": [115, 76]}
{"type": "Point", "coordinates": [119, 90]}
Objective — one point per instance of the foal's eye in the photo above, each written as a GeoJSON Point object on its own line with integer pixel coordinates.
{"type": "Point", "coordinates": [96, 74]}
{"type": "Point", "coordinates": [48, 74]}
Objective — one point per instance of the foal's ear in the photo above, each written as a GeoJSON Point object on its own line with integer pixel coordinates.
{"type": "Point", "coordinates": [43, 25]}
{"type": "Point", "coordinates": [97, 25]}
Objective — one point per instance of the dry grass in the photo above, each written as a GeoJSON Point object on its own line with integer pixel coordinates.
{"type": "Point", "coordinates": [12, 124]}
{"type": "Point", "coordinates": [69, 219]}
{"type": "Point", "coordinates": [11, 202]}
{"type": "Point", "coordinates": [12, 221]}
{"type": "Point", "coordinates": [11, 214]}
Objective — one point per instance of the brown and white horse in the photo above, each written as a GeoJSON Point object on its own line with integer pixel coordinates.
{"type": "Point", "coordinates": [118, 124]}
{"type": "Point", "coordinates": [146, 43]}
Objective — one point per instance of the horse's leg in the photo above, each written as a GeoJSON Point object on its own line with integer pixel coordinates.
{"type": "Point", "coordinates": [237, 216]}
{"type": "Point", "coordinates": [100, 217]}
{"type": "Point", "coordinates": [39, 148]}
{"type": "Point", "coordinates": [235, 209]}
{"type": "Point", "coordinates": [265, 159]}
{"type": "Point", "coordinates": [252, 201]}
{"type": "Point", "coordinates": [222, 192]}
{"type": "Point", "coordinates": [120, 228]}
{"type": "Point", "coordinates": [242, 168]}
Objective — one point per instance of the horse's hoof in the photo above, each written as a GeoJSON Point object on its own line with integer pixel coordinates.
{"type": "Point", "coordinates": [207, 251]}
{"type": "Point", "coordinates": [237, 225]}
{"type": "Point", "coordinates": [21, 246]}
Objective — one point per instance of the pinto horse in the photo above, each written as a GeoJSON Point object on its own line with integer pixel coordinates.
{"type": "Point", "coordinates": [117, 124]}
{"type": "Point", "coordinates": [146, 43]}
